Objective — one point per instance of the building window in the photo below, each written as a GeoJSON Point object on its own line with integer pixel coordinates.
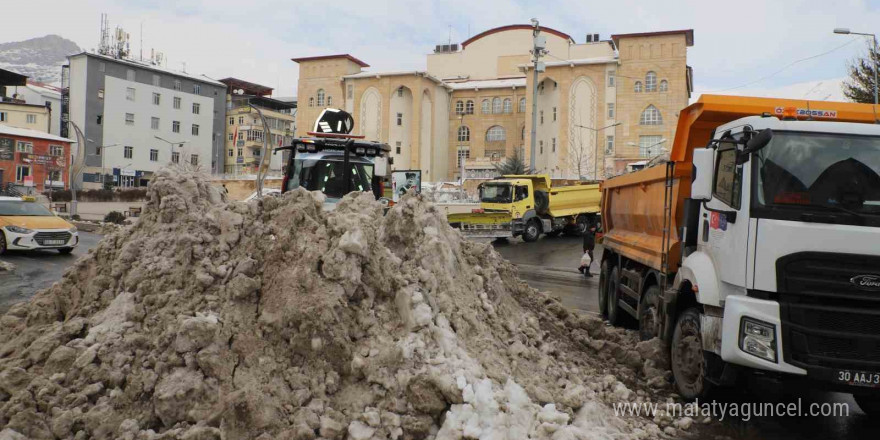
{"type": "Point", "coordinates": [240, 120]}
{"type": "Point", "coordinates": [508, 105]}
{"type": "Point", "coordinates": [496, 105]}
{"type": "Point", "coordinates": [651, 116]}
{"type": "Point", "coordinates": [611, 74]}
{"type": "Point", "coordinates": [554, 114]}
{"type": "Point", "coordinates": [239, 151]}
{"type": "Point", "coordinates": [523, 133]}
{"type": "Point", "coordinates": [175, 126]}
{"type": "Point", "coordinates": [156, 80]}
{"type": "Point", "coordinates": [541, 116]}
{"type": "Point", "coordinates": [311, 102]}
{"type": "Point", "coordinates": [651, 82]}
{"type": "Point", "coordinates": [329, 101]}
{"type": "Point", "coordinates": [664, 86]}
{"type": "Point", "coordinates": [102, 67]}
{"type": "Point", "coordinates": [129, 75]}
{"type": "Point", "coordinates": [56, 150]}
{"type": "Point", "coordinates": [100, 119]}
{"type": "Point", "coordinates": [196, 108]}
{"type": "Point", "coordinates": [349, 93]}
{"type": "Point", "coordinates": [128, 152]}
{"type": "Point", "coordinates": [400, 119]}
{"type": "Point", "coordinates": [463, 155]}
{"type": "Point", "coordinates": [194, 159]}
{"type": "Point", "coordinates": [609, 144]}
{"type": "Point", "coordinates": [553, 144]}
{"type": "Point", "coordinates": [22, 171]}
{"type": "Point", "coordinates": [649, 145]}
{"type": "Point", "coordinates": [541, 146]}
{"type": "Point", "coordinates": [98, 150]}
{"type": "Point", "coordinates": [175, 157]}
{"type": "Point", "coordinates": [320, 97]}
{"type": "Point", "coordinates": [637, 87]}
{"type": "Point", "coordinates": [464, 134]}
{"type": "Point", "coordinates": [156, 98]}
{"type": "Point", "coordinates": [610, 110]}
{"type": "Point", "coordinates": [459, 107]}
{"type": "Point", "coordinates": [31, 119]}
{"type": "Point", "coordinates": [469, 107]}
{"type": "Point", "coordinates": [2, 116]}
{"type": "Point", "coordinates": [154, 123]}
{"type": "Point", "coordinates": [522, 105]}
{"type": "Point", "coordinates": [397, 147]}
{"type": "Point", "coordinates": [231, 153]}
{"type": "Point", "coordinates": [495, 134]}
{"type": "Point", "coordinates": [177, 102]}
{"type": "Point", "coordinates": [230, 137]}
{"type": "Point", "coordinates": [129, 93]}
{"type": "Point", "coordinates": [197, 89]}
{"type": "Point", "coordinates": [54, 176]}
{"type": "Point", "coordinates": [154, 155]}
{"type": "Point", "coordinates": [195, 129]}
{"type": "Point", "coordinates": [177, 84]}
{"type": "Point", "coordinates": [25, 147]}
{"type": "Point", "coordinates": [101, 94]}
{"type": "Point", "coordinates": [231, 121]}
{"type": "Point", "coordinates": [485, 106]}
{"type": "Point", "coordinates": [129, 119]}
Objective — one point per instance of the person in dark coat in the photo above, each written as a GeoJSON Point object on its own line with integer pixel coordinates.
{"type": "Point", "coordinates": [589, 245]}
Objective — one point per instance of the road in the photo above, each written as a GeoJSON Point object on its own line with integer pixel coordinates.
{"type": "Point", "coordinates": [37, 270]}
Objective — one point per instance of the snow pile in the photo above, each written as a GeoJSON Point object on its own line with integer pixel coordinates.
{"type": "Point", "coordinates": [6, 266]}
{"type": "Point", "coordinates": [276, 320]}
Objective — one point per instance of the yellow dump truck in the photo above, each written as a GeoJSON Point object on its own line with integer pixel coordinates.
{"type": "Point", "coordinates": [528, 206]}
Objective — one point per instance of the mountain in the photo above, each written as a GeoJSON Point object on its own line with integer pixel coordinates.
{"type": "Point", "coordinates": [39, 58]}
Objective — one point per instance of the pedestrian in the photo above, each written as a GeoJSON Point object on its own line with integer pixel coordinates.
{"type": "Point", "coordinates": [589, 245]}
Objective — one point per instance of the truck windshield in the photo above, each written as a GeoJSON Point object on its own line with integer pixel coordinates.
{"type": "Point", "coordinates": [833, 174]}
{"type": "Point", "coordinates": [327, 176]}
{"type": "Point", "coordinates": [496, 193]}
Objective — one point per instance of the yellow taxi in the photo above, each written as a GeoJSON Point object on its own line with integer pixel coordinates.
{"type": "Point", "coordinates": [26, 225]}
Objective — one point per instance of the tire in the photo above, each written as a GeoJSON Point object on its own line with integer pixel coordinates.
{"type": "Point", "coordinates": [532, 231]}
{"type": "Point", "coordinates": [869, 405]}
{"type": "Point", "coordinates": [65, 251]}
{"type": "Point", "coordinates": [612, 291]}
{"type": "Point", "coordinates": [542, 202]}
{"type": "Point", "coordinates": [3, 246]}
{"type": "Point", "coordinates": [689, 367]}
{"type": "Point", "coordinates": [604, 273]}
{"type": "Point", "coordinates": [648, 310]}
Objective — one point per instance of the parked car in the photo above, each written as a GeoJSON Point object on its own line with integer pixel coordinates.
{"type": "Point", "coordinates": [26, 225]}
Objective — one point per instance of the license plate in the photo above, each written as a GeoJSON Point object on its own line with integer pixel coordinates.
{"type": "Point", "coordinates": [51, 242]}
{"type": "Point", "coordinates": [858, 378]}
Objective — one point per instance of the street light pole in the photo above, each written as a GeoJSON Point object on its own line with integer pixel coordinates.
{"type": "Point", "coordinates": [172, 144]}
{"type": "Point", "coordinates": [103, 169]}
{"type": "Point", "coordinates": [596, 147]}
{"type": "Point", "coordinates": [874, 50]}
{"type": "Point", "coordinates": [539, 43]}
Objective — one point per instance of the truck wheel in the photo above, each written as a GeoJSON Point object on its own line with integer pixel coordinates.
{"type": "Point", "coordinates": [688, 360]}
{"type": "Point", "coordinates": [603, 289]}
{"type": "Point", "coordinates": [532, 231]}
{"type": "Point", "coordinates": [612, 293]}
{"type": "Point", "coordinates": [648, 313]}
{"type": "Point", "coordinates": [870, 405]}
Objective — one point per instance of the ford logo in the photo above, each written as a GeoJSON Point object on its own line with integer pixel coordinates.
{"type": "Point", "coordinates": [866, 282]}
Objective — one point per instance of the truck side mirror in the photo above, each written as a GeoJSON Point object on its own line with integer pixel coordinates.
{"type": "Point", "coordinates": [704, 164]}
{"type": "Point", "coordinates": [758, 141]}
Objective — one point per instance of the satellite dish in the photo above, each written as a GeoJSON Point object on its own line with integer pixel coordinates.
{"type": "Point", "coordinates": [335, 121]}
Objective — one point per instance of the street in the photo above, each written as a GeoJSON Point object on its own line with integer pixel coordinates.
{"type": "Point", "coordinates": [37, 270]}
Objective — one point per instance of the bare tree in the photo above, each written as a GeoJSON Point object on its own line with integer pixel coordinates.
{"type": "Point", "coordinates": [581, 160]}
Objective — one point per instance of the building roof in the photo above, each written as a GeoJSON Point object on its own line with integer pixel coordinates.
{"type": "Point", "coordinates": [488, 84]}
{"type": "Point", "coordinates": [688, 35]}
{"type": "Point", "coordinates": [10, 78]}
{"type": "Point", "coordinates": [248, 87]}
{"type": "Point", "coordinates": [44, 89]}
{"type": "Point", "coordinates": [261, 101]}
{"type": "Point", "coordinates": [577, 62]}
{"type": "Point", "coordinates": [513, 27]}
{"type": "Point", "coordinates": [24, 132]}
{"type": "Point", "coordinates": [328, 57]}
{"type": "Point", "coordinates": [153, 67]}
{"type": "Point", "coordinates": [394, 73]}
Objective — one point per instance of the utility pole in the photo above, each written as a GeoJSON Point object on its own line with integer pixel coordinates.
{"type": "Point", "coordinates": [538, 50]}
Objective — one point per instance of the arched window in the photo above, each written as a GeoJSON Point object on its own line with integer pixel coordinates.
{"type": "Point", "coordinates": [311, 102]}
{"type": "Point", "coordinates": [522, 105]}
{"type": "Point", "coordinates": [495, 133]}
{"type": "Point", "coordinates": [664, 85]}
{"type": "Point", "coordinates": [508, 105]}
{"type": "Point", "coordinates": [651, 116]}
{"type": "Point", "coordinates": [464, 134]}
{"type": "Point", "coordinates": [329, 101]}
{"type": "Point", "coordinates": [496, 105]}
{"type": "Point", "coordinates": [469, 108]}
{"type": "Point", "coordinates": [637, 87]}
{"type": "Point", "coordinates": [320, 97]}
{"type": "Point", "coordinates": [459, 107]}
{"type": "Point", "coordinates": [651, 82]}
{"type": "Point", "coordinates": [484, 106]}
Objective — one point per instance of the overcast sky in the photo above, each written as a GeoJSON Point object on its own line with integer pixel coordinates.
{"type": "Point", "coordinates": [737, 43]}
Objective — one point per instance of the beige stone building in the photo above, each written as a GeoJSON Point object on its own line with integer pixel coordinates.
{"type": "Point", "coordinates": [16, 113]}
{"type": "Point", "coordinates": [474, 101]}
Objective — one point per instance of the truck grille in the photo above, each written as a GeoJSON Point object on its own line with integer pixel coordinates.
{"type": "Point", "coordinates": [41, 237]}
{"type": "Point", "coordinates": [827, 320]}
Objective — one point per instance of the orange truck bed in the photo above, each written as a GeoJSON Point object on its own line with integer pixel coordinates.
{"type": "Point", "coordinates": [633, 204]}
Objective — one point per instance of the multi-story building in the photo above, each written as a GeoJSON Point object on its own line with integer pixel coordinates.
{"type": "Point", "coordinates": [601, 104]}
{"type": "Point", "coordinates": [36, 94]}
{"type": "Point", "coordinates": [138, 116]}
{"type": "Point", "coordinates": [33, 159]}
{"type": "Point", "coordinates": [244, 127]}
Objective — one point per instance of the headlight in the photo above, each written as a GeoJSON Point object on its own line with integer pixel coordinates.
{"type": "Point", "coordinates": [18, 230]}
{"type": "Point", "coordinates": [758, 338]}
{"type": "Point", "coordinates": [73, 230]}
